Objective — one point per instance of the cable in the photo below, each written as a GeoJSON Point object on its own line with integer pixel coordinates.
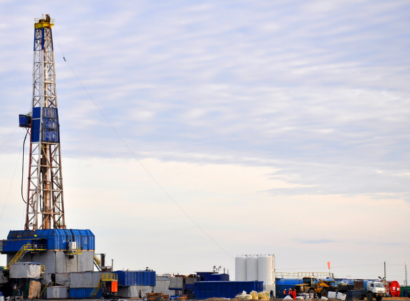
{"type": "Point", "coordinates": [8, 138]}
{"type": "Point", "coordinates": [22, 169]}
{"type": "Point", "coordinates": [132, 153]}
{"type": "Point", "coordinates": [340, 266]}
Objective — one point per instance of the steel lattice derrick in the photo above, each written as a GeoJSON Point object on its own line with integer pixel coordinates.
{"type": "Point", "coordinates": [45, 202]}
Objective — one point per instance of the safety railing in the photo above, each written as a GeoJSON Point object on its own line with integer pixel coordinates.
{"type": "Point", "coordinates": [24, 249]}
{"type": "Point", "coordinates": [44, 291]}
{"type": "Point", "coordinates": [304, 274]}
{"type": "Point", "coordinates": [96, 289]}
{"type": "Point", "coordinates": [74, 252]}
{"type": "Point", "coordinates": [109, 277]}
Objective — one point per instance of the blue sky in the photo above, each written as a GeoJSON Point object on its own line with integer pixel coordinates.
{"type": "Point", "coordinates": [279, 126]}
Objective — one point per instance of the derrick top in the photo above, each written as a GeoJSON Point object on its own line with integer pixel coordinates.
{"type": "Point", "coordinates": [44, 23]}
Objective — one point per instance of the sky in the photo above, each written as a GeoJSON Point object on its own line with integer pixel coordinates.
{"type": "Point", "coordinates": [196, 131]}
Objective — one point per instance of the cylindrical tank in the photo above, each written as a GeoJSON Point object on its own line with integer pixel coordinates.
{"type": "Point", "coordinates": [252, 268]}
{"type": "Point", "coordinates": [240, 268]}
{"type": "Point", "coordinates": [265, 269]}
{"type": "Point", "coordinates": [394, 288]}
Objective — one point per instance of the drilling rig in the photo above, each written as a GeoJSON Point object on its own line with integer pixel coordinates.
{"type": "Point", "coordinates": [45, 198]}
{"type": "Point", "coordinates": [45, 238]}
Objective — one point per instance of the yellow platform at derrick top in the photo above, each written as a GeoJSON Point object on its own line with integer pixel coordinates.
{"type": "Point", "coordinates": [44, 23]}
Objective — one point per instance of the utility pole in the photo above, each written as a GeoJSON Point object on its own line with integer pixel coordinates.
{"type": "Point", "coordinates": [405, 274]}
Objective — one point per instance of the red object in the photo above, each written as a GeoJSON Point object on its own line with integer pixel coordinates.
{"type": "Point", "coordinates": [294, 294]}
{"type": "Point", "coordinates": [114, 287]}
{"type": "Point", "coordinates": [394, 288]}
{"type": "Point", "coordinates": [328, 265]}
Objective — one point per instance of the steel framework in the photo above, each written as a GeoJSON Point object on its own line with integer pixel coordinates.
{"type": "Point", "coordinates": [45, 201]}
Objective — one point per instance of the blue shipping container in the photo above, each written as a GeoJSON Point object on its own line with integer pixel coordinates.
{"type": "Point", "coordinates": [83, 293]}
{"type": "Point", "coordinates": [130, 278]}
{"type": "Point", "coordinates": [225, 289]}
{"type": "Point", "coordinates": [282, 284]}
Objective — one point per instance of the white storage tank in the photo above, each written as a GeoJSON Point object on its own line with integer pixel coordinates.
{"type": "Point", "coordinates": [252, 268]}
{"type": "Point", "coordinates": [265, 269]}
{"type": "Point", "coordinates": [240, 268]}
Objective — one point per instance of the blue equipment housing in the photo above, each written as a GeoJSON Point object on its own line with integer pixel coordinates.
{"type": "Point", "coordinates": [212, 276]}
{"type": "Point", "coordinates": [131, 278]}
{"type": "Point", "coordinates": [50, 131]}
{"type": "Point", "coordinates": [52, 239]}
{"type": "Point", "coordinates": [225, 289]}
{"type": "Point", "coordinates": [285, 284]}
{"type": "Point", "coordinates": [24, 121]}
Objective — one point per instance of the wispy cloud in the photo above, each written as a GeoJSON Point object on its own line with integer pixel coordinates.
{"type": "Point", "coordinates": [313, 94]}
{"type": "Point", "coordinates": [315, 241]}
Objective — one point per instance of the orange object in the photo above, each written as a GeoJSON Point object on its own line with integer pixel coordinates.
{"type": "Point", "coordinates": [114, 287]}
{"type": "Point", "coordinates": [328, 265]}
{"type": "Point", "coordinates": [294, 294]}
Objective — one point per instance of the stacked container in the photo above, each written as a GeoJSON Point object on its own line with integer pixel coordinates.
{"type": "Point", "coordinates": [130, 278]}
{"type": "Point", "coordinates": [135, 283]}
{"type": "Point", "coordinates": [225, 289]}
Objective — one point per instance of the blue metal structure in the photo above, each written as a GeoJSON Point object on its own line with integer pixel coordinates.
{"type": "Point", "coordinates": [52, 239]}
{"type": "Point", "coordinates": [225, 289]}
{"type": "Point", "coordinates": [212, 276]}
{"type": "Point", "coordinates": [130, 278]}
{"type": "Point", "coordinates": [83, 293]}
{"type": "Point", "coordinates": [285, 283]}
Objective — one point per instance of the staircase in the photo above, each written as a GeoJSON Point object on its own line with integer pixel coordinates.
{"type": "Point", "coordinates": [44, 291]}
{"type": "Point", "coordinates": [23, 250]}
{"type": "Point", "coordinates": [96, 289]}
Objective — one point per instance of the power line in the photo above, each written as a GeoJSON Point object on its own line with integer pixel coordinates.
{"type": "Point", "coordinates": [8, 138]}
{"type": "Point", "coordinates": [136, 158]}
{"type": "Point", "coordinates": [11, 184]}
{"type": "Point", "coordinates": [340, 266]}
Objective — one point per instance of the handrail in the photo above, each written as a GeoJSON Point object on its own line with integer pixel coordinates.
{"type": "Point", "coordinates": [96, 289]}
{"type": "Point", "coordinates": [45, 288]}
{"type": "Point", "coordinates": [75, 252]}
{"type": "Point", "coordinates": [304, 274]}
{"type": "Point", "coordinates": [23, 250]}
{"type": "Point", "coordinates": [109, 277]}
